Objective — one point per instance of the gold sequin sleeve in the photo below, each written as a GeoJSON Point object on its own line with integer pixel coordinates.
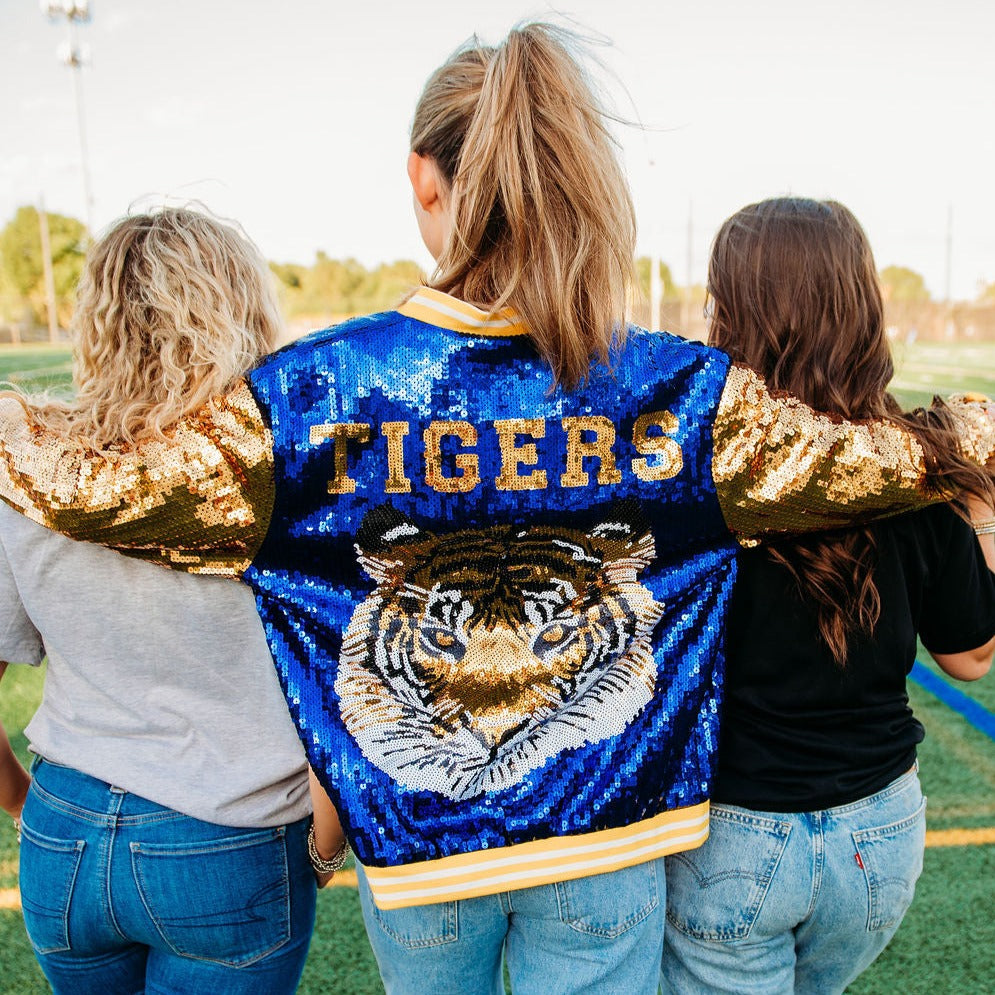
{"type": "Point", "coordinates": [781, 468]}
{"type": "Point", "coordinates": [199, 501]}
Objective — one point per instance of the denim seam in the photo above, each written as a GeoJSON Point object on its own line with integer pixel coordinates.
{"type": "Point", "coordinates": [105, 853]}
{"type": "Point", "coordinates": [101, 818]}
{"type": "Point", "coordinates": [210, 846]}
{"type": "Point", "coordinates": [779, 826]}
{"type": "Point", "coordinates": [876, 832]}
{"type": "Point", "coordinates": [818, 859]}
{"type": "Point", "coordinates": [909, 778]}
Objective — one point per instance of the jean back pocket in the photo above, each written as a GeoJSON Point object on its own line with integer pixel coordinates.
{"type": "Point", "coordinates": [891, 857]}
{"type": "Point", "coordinates": [222, 900]}
{"type": "Point", "coordinates": [608, 904]}
{"type": "Point", "coordinates": [420, 926]}
{"type": "Point", "coordinates": [717, 891]}
{"type": "Point", "coordinates": [48, 869]}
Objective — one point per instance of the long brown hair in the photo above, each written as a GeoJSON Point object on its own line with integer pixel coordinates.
{"type": "Point", "coordinates": [172, 308]}
{"type": "Point", "coordinates": [542, 219]}
{"type": "Point", "coordinates": [796, 297]}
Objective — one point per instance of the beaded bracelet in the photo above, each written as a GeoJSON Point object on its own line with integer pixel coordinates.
{"type": "Point", "coordinates": [320, 864]}
{"type": "Point", "coordinates": [984, 528]}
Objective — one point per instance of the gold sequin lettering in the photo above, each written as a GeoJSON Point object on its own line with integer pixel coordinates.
{"type": "Point", "coordinates": [669, 459]}
{"type": "Point", "coordinates": [468, 463]}
{"type": "Point", "coordinates": [599, 447]}
{"type": "Point", "coordinates": [512, 456]}
{"type": "Point", "coordinates": [341, 432]}
{"type": "Point", "coordinates": [397, 481]}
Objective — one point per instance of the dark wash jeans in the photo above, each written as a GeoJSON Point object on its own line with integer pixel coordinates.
{"type": "Point", "coordinates": [121, 895]}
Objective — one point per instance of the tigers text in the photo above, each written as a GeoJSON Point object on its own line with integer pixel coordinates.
{"type": "Point", "coordinates": [457, 468]}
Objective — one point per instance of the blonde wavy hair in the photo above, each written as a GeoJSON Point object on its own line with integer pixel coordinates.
{"type": "Point", "coordinates": [542, 218]}
{"type": "Point", "coordinates": [172, 308]}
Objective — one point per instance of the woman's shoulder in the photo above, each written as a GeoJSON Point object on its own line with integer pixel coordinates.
{"type": "Point", "coordinates": [668, 349]}
{"type": "Point", "coordinates": [343, 331]}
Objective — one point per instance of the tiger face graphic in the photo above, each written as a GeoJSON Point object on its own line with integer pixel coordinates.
{"type": "Point", "coordinates": [482, 654]}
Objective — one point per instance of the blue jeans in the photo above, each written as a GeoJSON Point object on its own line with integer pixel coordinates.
{"type": "Point", "coordinates": [779, 902]}
{"type": "Point", "coordinates": [600, 935]}
{"type": "Point", "coordinates": [121, 895]}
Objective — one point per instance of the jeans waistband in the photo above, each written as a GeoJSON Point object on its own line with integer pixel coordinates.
{"type": "Point", "coordinates": [86, 797]}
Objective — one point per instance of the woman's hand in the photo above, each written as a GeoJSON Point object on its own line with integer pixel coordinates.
{"type": "Point", "coordinates": [326, 842]}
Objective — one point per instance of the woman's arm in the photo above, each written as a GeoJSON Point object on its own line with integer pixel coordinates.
{"type": "Point", "coordinates": [983, 516]}
{"type": "Point", "coordinates": [958, 603]}
{"type": "Point", "coordinates": [975, 663]}
{"type": "Point", "coordinates": [14, 779]}
{"type": "Point", "coordinates": [969, 665]}
{"type": "Point", "coordinates": [329, 837]}
{"type": "Point", "coordinates": [199, 501]}
{"type": "Point", "coordinates": [781, 468]}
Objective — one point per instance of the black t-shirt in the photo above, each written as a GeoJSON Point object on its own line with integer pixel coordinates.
{"type": "Point", "coordinates": [798, 732]}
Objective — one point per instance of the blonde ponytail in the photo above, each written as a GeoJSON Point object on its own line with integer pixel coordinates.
{"type": "Point", "coordinates": [542, 220]}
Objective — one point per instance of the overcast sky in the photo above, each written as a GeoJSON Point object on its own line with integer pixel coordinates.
{"type": "Point", "coordinates": [292, 116]}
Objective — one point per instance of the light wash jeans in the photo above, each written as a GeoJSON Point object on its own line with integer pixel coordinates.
{"type": "Point", "coordinates": [600, 935]}
{"type": "Point", "coordinates": [121, 895]}
{"type": "Point", "coordinates": [788, 903]}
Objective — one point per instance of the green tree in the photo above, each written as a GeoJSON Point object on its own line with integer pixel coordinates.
{"type": "Point", "coordinates": [288, 274]}
{"type": "Point", "coordinates": [337, 288]}
{"type": "Point", "coordinates": [670, 289]}
{"type": "Point", "coordinates": [987, 294]}
{"type": "Point", "coordinates": [23, 269]}
{"type": "Point", "coordinates": [902, 285]}
{"type": "Point", "coordinates": [385, 286]}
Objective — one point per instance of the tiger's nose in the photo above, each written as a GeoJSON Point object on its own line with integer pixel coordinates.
{"type": "Point", "coordinates": [501, 651]}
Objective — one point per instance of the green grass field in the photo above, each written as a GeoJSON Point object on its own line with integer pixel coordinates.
{"type": "Point", "coordinates": [946, 946]}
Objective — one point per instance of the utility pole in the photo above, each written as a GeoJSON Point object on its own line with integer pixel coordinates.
{"type": "Point", "coordinates": [46, 260]}
{"type": "Point", "coordinates": [655, 322]}
{"type": "Point", "coordinates": [689, 274]}
{"type": "Point", "coordinates": [74, 56]}
{"type": "Point", "coordinates": [949, 330]}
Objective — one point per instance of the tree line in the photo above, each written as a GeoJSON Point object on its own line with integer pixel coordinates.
{"type": "Point", "coordinates": [327, 290]}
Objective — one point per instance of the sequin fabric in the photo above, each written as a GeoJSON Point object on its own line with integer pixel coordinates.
{"type": "Point", "coordinates": [975, 415]}
{"type": "Point", "coordinates": [782, 468]}
{"type": "Point", "coordinates": [199, 501]}
{"type": "Point", "coordinates": [495, 608]}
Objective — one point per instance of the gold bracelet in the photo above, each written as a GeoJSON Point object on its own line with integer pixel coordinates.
{"type": "Point", "coordinates": [333, 863]}
{"type": "Point", "coordinates": [985, 527]}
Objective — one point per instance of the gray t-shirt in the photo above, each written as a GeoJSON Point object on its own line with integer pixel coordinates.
{"type": "Point", "coordinates": [158, 682]}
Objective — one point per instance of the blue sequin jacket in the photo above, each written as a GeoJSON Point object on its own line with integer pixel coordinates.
{"type": "Point", "coordinates": [496, 608]}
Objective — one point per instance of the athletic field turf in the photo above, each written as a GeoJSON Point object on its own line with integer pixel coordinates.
{"type": "Point", "coordinates": [946, 946]}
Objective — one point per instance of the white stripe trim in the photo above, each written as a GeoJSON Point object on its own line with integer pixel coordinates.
{"type": "Point", "coordinates": [483, 321]}
{"type": "Point", "coordinates": [544, 856]}
{"type": "Point", "coordinates": [502, 879]}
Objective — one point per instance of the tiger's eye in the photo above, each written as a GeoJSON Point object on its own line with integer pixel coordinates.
{"type": "Point", "coordinates": [444, 639]}
{"type": "Point", "coordinates": [553, 635]}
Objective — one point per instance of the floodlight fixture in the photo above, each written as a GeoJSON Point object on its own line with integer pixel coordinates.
{"type": "Point", "coordinates": [74, 55]}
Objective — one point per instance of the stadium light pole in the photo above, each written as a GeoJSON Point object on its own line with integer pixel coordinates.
{"type": "Point", "coordinates": [72, 54]}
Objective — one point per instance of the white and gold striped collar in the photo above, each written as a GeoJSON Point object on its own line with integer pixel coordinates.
{"type": "Point", "coordinates": [445, 311]}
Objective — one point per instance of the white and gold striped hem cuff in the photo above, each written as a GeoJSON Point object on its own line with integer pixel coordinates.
{"type": "Point", "coordinates": [446, 311]}
{"type": "Point", "coordinates": [525, 865]}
